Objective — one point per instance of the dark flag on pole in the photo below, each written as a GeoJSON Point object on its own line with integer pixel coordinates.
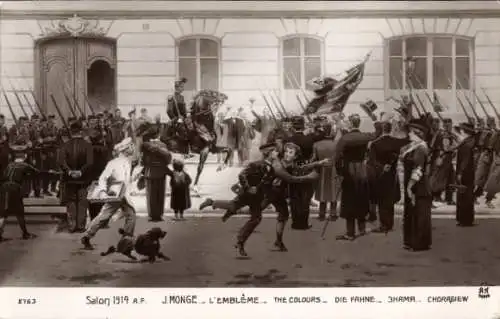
{"type": "Point", "coordinates": [338, 94]}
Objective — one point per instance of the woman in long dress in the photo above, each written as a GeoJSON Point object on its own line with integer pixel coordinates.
{"type": "Point", "coordinates": [417, 220]}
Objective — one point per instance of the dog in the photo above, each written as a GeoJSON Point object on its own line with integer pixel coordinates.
{"type": "Point", "coordinates": [147, 244]}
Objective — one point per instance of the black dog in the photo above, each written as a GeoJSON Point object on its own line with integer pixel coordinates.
{"type": "Point", "coordinates": [147, 244]}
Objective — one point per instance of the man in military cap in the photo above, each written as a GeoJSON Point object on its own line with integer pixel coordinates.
{"type": "Point", "coordinates": [383, 154]}
{"type": "Point", "coordinates": [485, 145]}
{"type": "Point", "coordinates": [49, 137]}
{"type": "Point", "coordinates": [19, 135]}
{"type": "Point", "coordinates": [11, 190]}
{"type": "Point", "coordinates": [97, 137]}
{"type": "Point", "coordinates": [176, 105]}
{"type": "Point", "coordinates": [465, 176]}
{"type": "Point", "coordinates": [76, 158]}
{"type": "Point", "coordinates": [155, 159]}
{"type": "Point", "coordinates": [302, 195]}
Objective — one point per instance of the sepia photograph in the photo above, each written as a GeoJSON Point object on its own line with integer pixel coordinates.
{"type": "Point", "coordinates": [249, 144]}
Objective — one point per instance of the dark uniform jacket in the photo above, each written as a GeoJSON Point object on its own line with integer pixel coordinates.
{"type": "Point", "coordinates": [155, 158]}
{"type": "Point", "coordinates": [77, 155]}
{"type": "Point", "coordinates": [465, 161]}
{"type": "Point", "coordinates": [176, 106]}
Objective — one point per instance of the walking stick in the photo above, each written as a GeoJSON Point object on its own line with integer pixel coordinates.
{"type": "Point", "coordinates": [327, 221]}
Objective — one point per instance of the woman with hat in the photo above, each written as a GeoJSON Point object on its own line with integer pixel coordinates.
{"type": "Point", "coordinates": [119, 169]}
{"type": "Point", "coordinates": [417, 230]}
{"type": "Point", "coordinates": [465, 176]}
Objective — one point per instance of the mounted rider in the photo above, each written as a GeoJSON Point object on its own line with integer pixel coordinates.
{"type": "Point", "coordinates": [176, 110]}
{"type": "Point", "coordinates": [205, 102]}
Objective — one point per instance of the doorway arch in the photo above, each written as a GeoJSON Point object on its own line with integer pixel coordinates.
{"type": "Point", "coordinates": [101, 86]}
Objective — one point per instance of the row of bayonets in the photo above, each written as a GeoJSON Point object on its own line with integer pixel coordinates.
{"type": "Point", "coordinates": [437, 106]}
{"type": "Point", "coordinates": [72, 103]}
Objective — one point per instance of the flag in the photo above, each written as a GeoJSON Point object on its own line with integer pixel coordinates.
{"type": "Point", "coordinates": [336, 98]}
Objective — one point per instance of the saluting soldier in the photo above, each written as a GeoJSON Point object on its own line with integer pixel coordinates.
{"type": "Point", "coordinates": [176, 109]}
{"type": "Point", "coordinates": [76, 159]}
{"type": "Point", "coordinates": [49, 136]}
{"type": "Point", "coordinates": [155, 159]}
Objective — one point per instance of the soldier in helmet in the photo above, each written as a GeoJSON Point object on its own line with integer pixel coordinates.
{"type": "Point", "coordinates": [176, 105]}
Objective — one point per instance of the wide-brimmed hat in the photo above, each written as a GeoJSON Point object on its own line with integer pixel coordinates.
{"type": "Point", "coordinates": [123, 145]}
{"type": "Point", "coordinates": [467, 127]}
{"type": "Point", "coordinates": [419, 124]}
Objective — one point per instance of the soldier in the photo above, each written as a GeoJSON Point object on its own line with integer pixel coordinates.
{"type": "Point", "coordinates": [35, 156]}
{"type": "Point", "coordinates": [117, 127]}
{"type": "Point", "coordinates": [97, 138]}
{"type": "Point", "coordinates": [19, 135]}
{"type": "Point", "coordinates": [49, 136]}
{"type": "Point", "coordinates": [4, 144]}
{"type": "Point", "coordinates": [486, 157]}
{"type": "Point", "coordinates": [11, 190]}
{"type": "Point", "coordinates": [155, 159]}
{"type": "Point", "coordinates": [465, 176]}
{"type": "Point", "coordinates": [176, 109]}
{"type": "Point", "coordinates": [301, 195]}
{"type": "Point", "coordinates": [384, 153]}
{"type": "Point", "coordinates": [76, 158]}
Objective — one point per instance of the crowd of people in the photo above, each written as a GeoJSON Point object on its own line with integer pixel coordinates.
{"type": "Point", "coordinates": [358, 176]}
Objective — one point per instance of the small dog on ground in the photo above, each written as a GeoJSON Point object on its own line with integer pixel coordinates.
{"type": "Point", "coordinates": [147, 244]}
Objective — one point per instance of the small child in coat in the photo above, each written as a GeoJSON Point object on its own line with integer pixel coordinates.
{"type": "Point", "coordinates": [180, 197]}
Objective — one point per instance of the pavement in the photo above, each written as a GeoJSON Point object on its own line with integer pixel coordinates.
{"type": "Point", "coordinates": [202, 255]}
{"type": "Point", "coordinates": [202, 252]}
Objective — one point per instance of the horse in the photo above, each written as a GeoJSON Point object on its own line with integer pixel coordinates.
{"type": "Point", "coordinates": [195, 134]}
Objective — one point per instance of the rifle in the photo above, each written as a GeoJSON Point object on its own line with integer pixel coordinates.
{"type": "Point", "coordinates": [268, 105]}
{"type": "Point", "coordinates": [63, 120]}
{"type": "Point", "coordinates": [29, 103]}
{"type": "Point", "coordinates": [299, 87]}
{"type": "Point", "coordinates": [276, 105]}
{"type": "Point", "coordinates": [69, 104]}
{"type": "Point", "coordinates": [491, 103]}
{"type": "Point", "coordinates": [299, 100]}
{"type": "Point", "coordinates": [420, 114]}
{"type": "Point", "coordinates": [88, 103]}
{"type": "Point", "coordinates": [17, 98]}
{"type": "Point", "coordinates": [469, 118]}
{"type": "Point", "coordinates": [10, 108]}
{"type": "Point", "coordinates": [471, 105]}
{"type": "Point", "coordinates": [279, 100]}
{"type": "Point", "coordinates": [34, 98]}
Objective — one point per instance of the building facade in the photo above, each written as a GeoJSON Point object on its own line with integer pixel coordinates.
{"type": "Point", "coordinates": [128, 53]}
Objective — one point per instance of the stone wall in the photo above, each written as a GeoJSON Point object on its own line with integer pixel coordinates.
{"type": "Point", "coordinates": [250, 54]}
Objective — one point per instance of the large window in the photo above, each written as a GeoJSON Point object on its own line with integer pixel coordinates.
{"type": "Point", "coordinates": [302, 61]}
{"type": "Point", "coordinates": [199, 64]}
{"type": "Point", "coordinates": [442, 64]}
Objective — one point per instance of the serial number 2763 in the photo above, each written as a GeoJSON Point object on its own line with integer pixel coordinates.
{"type": "Point", "coordinates": [26, 301]}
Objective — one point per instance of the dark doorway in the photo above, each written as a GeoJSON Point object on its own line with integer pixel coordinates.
{"type": "Point", "coordinates": [101, 86]}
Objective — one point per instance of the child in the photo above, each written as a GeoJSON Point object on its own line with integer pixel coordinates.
{"type": "Point", "coordinates": [180, 198]}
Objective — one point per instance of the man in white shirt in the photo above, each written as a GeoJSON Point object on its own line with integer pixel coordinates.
{"type": "Point", "coordinates": [118, 169]}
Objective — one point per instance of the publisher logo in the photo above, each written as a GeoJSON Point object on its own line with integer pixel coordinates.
{"type": "Point", "coordinates": [484, 292]}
